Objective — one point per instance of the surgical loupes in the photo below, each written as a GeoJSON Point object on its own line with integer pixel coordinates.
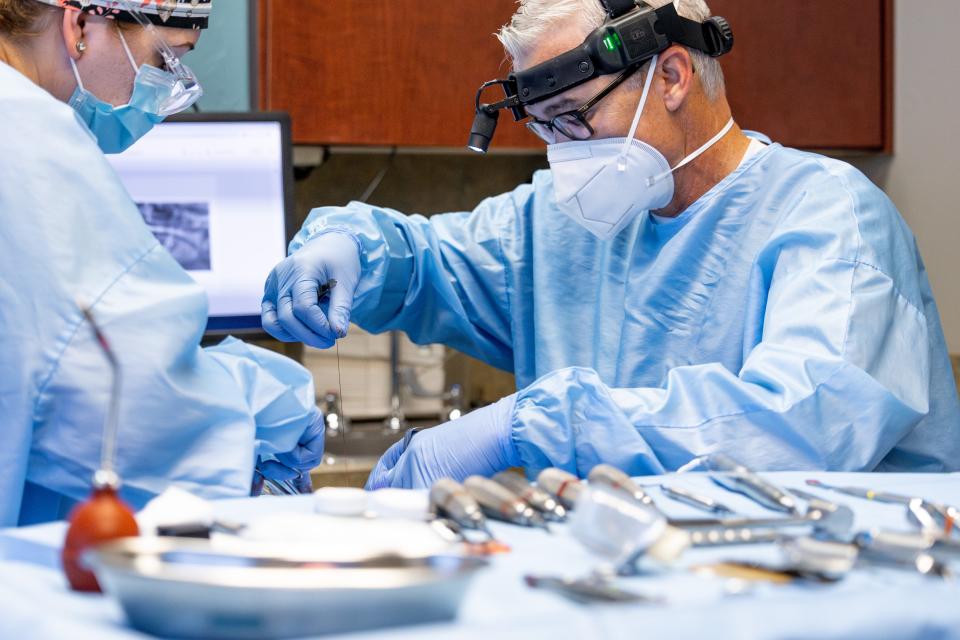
{"type": "Point", "coordinates": [499, 502]}
{"type": "Point", "coordinates": [536, 497]}
{"type": "Point", "coordinates": [731, 475]}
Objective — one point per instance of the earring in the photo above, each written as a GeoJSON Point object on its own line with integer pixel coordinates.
{"type": "Point", "coordinates": [81, 46]}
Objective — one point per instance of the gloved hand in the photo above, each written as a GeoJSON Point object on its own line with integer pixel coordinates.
{"type": "Point", "coordinates": [479, 443]}
{"type": "Point", "coordinates": [291, 309]}
{"type": "Point", "coordinates": [296, 465]}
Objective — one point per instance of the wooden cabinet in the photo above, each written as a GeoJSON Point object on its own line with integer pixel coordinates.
{"type": "Point", "coordinates": [405, 72]}
{"type": "Point", "coordinates": [381, 72]}
{"type": "Point", "coordinates": [812, 74]}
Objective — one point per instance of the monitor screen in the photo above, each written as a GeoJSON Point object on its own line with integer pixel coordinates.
{"type": "Point", "coordinates": [214, 189]}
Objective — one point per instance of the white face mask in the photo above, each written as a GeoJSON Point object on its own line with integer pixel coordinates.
{"type": "Point", "coordinates": [605, 184]}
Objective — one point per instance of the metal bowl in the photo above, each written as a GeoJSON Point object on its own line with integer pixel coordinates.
{"type": "Point", "coordinates": [190, 589]}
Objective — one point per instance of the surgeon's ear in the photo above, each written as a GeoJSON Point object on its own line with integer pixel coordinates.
{"type": "Point", "coordinates": [73, 25]}
{"type": "Point", "coordinates": [676, 72]}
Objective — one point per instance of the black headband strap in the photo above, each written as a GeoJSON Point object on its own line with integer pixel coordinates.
{"type": "Point", "coordinates": [616, 8]}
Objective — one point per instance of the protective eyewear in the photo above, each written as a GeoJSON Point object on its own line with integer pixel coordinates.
{"type": "Point", "coordinates": [574, 124]}
{"type": "Point", "coordinates": [185, 88]}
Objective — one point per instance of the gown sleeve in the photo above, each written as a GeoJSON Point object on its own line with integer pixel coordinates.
{"type": "Point", "coordinates": [440, 280]}
{"type": "Point", "coordinates": [840, 375]}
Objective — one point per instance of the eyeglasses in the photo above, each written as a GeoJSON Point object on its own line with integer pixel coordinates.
{"type": "Point", "coordinates": [574, 124]}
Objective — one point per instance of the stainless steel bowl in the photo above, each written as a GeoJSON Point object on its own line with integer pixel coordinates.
{"type": "Point", "coordinates": [191, 589]}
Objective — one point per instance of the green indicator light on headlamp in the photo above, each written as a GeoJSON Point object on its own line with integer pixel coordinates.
{"type": "Point", "coordinates": [612, 41]}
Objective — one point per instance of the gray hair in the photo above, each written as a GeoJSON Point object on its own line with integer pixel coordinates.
{"type": "Point", "coordinates": [535, 18]}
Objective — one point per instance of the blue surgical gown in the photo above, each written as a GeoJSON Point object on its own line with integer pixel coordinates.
{"type": "Point", "coordinates": [784, 318]}
{"type": "Point", "coordinates": [190, 416]}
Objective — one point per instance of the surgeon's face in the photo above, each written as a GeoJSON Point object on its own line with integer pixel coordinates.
{"type": "Point", "coordinates": [612, 116]}
{"type": "Point", "coordinates": [104, 67]}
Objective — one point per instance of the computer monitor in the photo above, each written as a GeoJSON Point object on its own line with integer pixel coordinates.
{"type": "Point", "coordinates": [217, 191]}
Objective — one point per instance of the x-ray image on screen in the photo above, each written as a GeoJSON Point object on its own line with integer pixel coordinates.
{"type": "Point", "coordinates": [213, 192]}
{"type": "Point", "coordinates": [183, 229]}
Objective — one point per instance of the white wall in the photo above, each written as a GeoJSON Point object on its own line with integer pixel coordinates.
{"type": "Point", "coordinates": [923, 176]}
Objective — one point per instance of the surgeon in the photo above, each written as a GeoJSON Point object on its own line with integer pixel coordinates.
{"type": "Point", "coordinates": [671, 287]}
{"type": "Point", "coordinates": [80, 78]}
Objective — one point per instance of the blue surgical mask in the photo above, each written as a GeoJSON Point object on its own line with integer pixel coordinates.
{"type": "Point", "coordinates": [117, 128]}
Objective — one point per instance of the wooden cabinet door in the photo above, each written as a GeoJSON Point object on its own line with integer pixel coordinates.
{"type": "Point", "coordinates": [382, 72]}
{"type": "Point", "coordinates": [809, 73]}
{"type": "Point", "coordinates": [812, 73]}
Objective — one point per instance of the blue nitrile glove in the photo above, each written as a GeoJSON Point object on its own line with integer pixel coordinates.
{"type": "Point", "coordinates": [479, 443]}
{"type": "Point", "coordinates": [296, 465]}
{"type": "Point", "coordinates": [291, 308]}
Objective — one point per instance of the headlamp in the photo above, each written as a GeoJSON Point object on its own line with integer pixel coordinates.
{"type": "Point", "coordinates": [632, 35]}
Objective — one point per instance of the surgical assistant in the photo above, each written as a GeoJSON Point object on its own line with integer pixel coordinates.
{"type": "Point", "coordinates": [786, 316]}
{"type": "Point", "coordinates": [195, 417]}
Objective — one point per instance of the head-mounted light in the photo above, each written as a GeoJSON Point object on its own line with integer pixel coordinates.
{"type": "Point", "coordinates": [631, 36]}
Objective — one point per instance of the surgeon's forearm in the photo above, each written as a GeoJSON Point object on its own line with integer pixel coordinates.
{"type": "Point", "coordinates": [827, 387]}
{"type": "Point", "coordinates": [386, 258]}
{"type": "Point", "coordinates": [436, 280]}
{"type": "Point", "coordinates": [843, 420]}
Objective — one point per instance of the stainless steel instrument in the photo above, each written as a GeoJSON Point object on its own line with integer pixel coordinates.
{"type": "Point", "coordinates": [927, 515]}
{"type": "Point", "coordinates": [566, 487]}
{"type": "Point", "coordinates": [695, 500]}
{"type": "Point", "coordinates": [452, 500]}
{"type": "Point", "coordinates": [586, 590]}
{"type": "Point", "coordinates": [830, 519]}
{"type": "Point", "coordinates": [721, 537]}
{"type": "Point", "coordinates": [613, 477]}
{"type": "Point", "coordinates": [866, 494]}
{"type": "Point", "coordinates": [909, 552]}
{"type": "Point", "coordinates": [536, 497]}
{"type": "Point", "coordinates": [734, 476]}
{"type": "Point", "coordinates": [499, 502]}
{"type": "Point", "coordinates": [944, 550]}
